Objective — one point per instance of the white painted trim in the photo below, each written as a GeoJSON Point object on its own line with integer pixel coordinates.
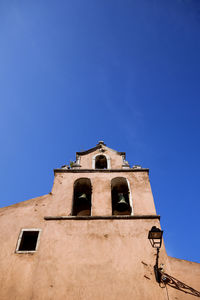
{"type": "Point", "coordinates": [91, 196]}
{"type": "Point", "coordinates": [130, 197]}
{"type": "Point", "coordinates": [107, 157]}
{"type": "Point", "coordinates": [20, 237]}
{"type": "Point", "coordinates": [78, 160]}
{"type": "Point", "coordinates": [129, 192]}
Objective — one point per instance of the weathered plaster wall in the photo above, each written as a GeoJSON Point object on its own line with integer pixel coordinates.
{"type": "Point", "coordinates": [77, 259]}
{"type": "Point", "coordinates": [84, 259]}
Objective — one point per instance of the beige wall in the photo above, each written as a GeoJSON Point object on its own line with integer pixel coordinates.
{"type": "Point", "coordinates": [77, 259]}
{"type": "Point", "coordinates": [84, 259]}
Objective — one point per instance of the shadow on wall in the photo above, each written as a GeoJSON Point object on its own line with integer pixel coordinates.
{"type": "Point", "coordinates": [166, 279]}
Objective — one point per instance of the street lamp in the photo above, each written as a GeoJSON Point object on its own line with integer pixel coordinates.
{"type": "Point", "coordinates": [155, 238]}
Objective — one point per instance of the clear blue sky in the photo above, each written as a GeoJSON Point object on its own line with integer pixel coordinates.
{"type": "Point", "coordinates": [126, 72]}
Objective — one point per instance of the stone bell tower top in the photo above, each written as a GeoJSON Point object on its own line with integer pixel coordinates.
{"type": "Point", "coordinates": [101, 143]}
{"type": "Point", "coordinates": [100, 158]}
{"type": "Point", "coordinates": [101, 183]}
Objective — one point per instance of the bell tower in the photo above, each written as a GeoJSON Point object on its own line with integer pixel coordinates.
{"type": "Point", "coordinates": [101, 183]}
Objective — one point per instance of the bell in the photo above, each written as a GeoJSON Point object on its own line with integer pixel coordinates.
{"type": "Point", "coordinates": [83, 205]}
{"type": "Point", "coordinates": [122, 205]}
{"type": "Point", "coordinates": [83, 201]}
{"type": "Point", "coordinates": [83, 197]}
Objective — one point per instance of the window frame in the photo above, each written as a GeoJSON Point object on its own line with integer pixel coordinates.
{"type": "Point", "coordinates": [107, 158]}
{"type": "Point", "coordinates": [20, 238]}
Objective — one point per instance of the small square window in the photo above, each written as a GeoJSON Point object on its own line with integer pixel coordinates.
{"type": "Point", "coordinates": [28, 240]}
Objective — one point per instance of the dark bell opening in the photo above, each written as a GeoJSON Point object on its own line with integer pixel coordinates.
{"type": "Point", "coordinates": [120, 197]}
{"type": "Point", "coordinates": [82, 197]}
{"type": "Point", "coordinates": [28, 241]}
{"type": "Point", "coordinates": [101, 162]}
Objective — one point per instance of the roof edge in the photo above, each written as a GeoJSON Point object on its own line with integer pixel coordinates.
{"type": "Point", "coordinates": [100, 145]}
{"type": "Point", "coordinates": [96, 148]}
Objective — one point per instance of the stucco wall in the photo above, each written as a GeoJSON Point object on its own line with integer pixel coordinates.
{"type": "Point", "coordinates": [77, 259]}
{"type": "Point", "coordinates": [84, 259]}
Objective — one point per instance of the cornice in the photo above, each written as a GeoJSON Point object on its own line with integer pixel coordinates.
{"type": "Point", "coordinates": [99, 171]}
{"type": "Point", "coordinates": [54, 218]}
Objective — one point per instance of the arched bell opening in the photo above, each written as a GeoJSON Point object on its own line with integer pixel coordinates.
{"type": "Point", "coordinates": [120, 196]}
{"type": "Point", "coordinates": [101, 162]}
{"type": "Point", "coordinates": [82, 197]}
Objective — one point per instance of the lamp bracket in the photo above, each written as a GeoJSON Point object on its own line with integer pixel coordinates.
{"type": "Point", "coordinates": [175, 283]}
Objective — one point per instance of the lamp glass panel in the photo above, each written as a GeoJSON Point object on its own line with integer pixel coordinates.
{"type": "Point", "coordinates": [156, 235]}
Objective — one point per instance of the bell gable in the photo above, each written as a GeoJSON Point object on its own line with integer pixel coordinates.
{"type": "Point", "coordinates": [101, 157]}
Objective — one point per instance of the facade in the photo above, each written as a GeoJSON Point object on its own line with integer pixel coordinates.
{"type": "Point", "coordinates": [88, 238]}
